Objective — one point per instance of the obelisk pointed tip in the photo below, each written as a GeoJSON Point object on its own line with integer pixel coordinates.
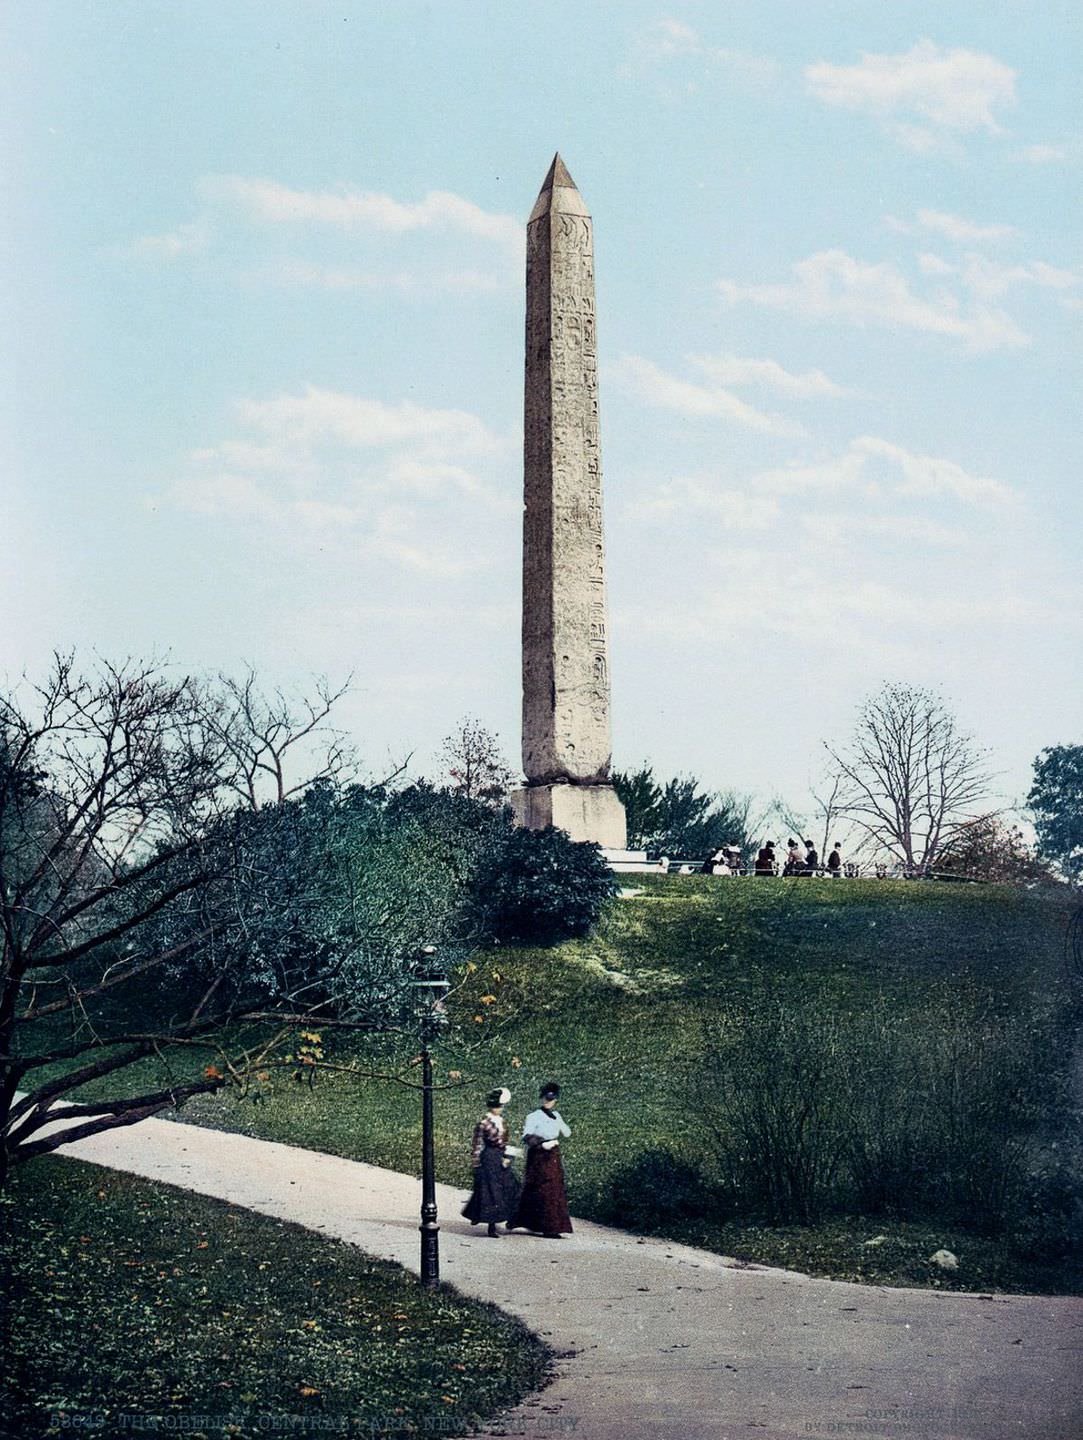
{"type": "Point", "coordinates": [558, 192]}
{"type": "Point", "coordinates": [558, 175]}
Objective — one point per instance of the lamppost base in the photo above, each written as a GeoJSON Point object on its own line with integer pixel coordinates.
{"type": "Point", "coordinates": [430, 1255]}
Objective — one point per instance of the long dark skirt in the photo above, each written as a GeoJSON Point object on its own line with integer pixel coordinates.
{"type": "Point", "coordinates": [496, 1190]}
{"type": "Point", "coordinates": [543, 1204]}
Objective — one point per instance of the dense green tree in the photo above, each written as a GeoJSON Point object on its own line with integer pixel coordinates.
{"type": "Point", "coordinates": [1056, 801]}
{"type": "Point", "coordinates": [343, 887]}
{"type": "Point", "coordinates": [640, 794]}
{"type": "Point", "coordinates": [538, 887]}
{"type": "Point", "coordinates": [678, 818]}
{"type": "Point", "coordinates": [989, 849]}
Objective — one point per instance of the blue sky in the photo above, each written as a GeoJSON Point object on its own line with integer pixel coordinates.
{"type": "Point", "coordinates": [261, 270]}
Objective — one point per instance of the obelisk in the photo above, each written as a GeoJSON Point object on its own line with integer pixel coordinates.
{"type": "Point", "coordinates": [566, 735]}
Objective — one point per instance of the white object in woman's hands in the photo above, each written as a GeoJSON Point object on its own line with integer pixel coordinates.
{"type": "Point", "coordinates": [513, 1151]}
{"type": "Point", "coordinates": [550, 1144]}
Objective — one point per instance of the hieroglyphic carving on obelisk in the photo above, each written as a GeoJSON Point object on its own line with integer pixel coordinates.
{"type": "Point", "coordinates": [566, 732]}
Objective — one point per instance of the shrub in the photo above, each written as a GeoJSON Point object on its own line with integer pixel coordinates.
{"type": "Point", "coordinates": [773, 1078]}
{"type": "Point", "coordinates": [538, 887]}
{"type": "Point", "coordinates": [813, 1111]}
{"type": "Point", "coordinates": [1051, 1227]}
{"type": "Point", "coordinates": [656, 1189]}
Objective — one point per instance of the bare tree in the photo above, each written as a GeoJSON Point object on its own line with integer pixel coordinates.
{"type": "Point", "coordinates": [826, 800]}
{"type": "Point", "coordinates": [264, 735]}
{"type": "Point", "coordinates": [119, 865]}
{"type": "Point", "coordinates": [910, 779]}
{"type": "Point", "coordinates": [475, 763]}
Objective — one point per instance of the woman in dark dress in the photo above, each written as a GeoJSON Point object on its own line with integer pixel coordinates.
{"type": "Point", "coordinates": [496, 1188]}
{"type": "Point", "coordinates": [544, 1202]}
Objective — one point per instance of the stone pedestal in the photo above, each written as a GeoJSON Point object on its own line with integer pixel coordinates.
{"type": "Point", "coordinates": [586, 812]}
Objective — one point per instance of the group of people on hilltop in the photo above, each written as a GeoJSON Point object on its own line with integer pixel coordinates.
{"type": "Point", "coordinates": [797, 864]}
{"type": "Point", "coordinates": [727, 860]}
{"type": "Point", "coordinates": [540, 1203]}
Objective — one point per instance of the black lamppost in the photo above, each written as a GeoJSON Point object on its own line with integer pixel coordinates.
{"type": "Point", "coordinates": [432, 1018]}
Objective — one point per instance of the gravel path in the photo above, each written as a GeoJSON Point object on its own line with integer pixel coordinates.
{"type": "Point", "coordinates": [663, 1342]}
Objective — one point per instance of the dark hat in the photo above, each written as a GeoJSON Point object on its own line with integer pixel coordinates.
{"type": "Point", "coordinates": [551, 1091]}
{"type": "Point", "coordinates": [499, 1096]}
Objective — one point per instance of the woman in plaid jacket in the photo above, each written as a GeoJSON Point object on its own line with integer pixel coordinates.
{"type": "Point", "coordinates": [496, 1189]}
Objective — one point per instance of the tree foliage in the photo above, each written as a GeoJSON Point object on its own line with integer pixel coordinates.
{"type": "Point", "coordinates": [990, 849]}
{"type": "Point", "coordinates": [1056, 801]}
{"type": "Point", "coordinates": [538, 887]}
{"type": "Point", "coordinates": [910, 779]}
{"type": "Point", "coordinates": [344, 887]}
{"type": "Point", "coordinates": [147, 898]}
{"type": "Point", "coordinates": [677, 818]}
{"type": "Point", "coordinates": [175, 904]}
{"type": "Point", "coordinates": [475, 763]}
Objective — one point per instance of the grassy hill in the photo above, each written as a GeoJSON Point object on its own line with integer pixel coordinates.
{"type": "Point", "coordinates": [784, 1070]}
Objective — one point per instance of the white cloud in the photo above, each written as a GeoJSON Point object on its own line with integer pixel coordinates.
{"type": "Point", "coordinates": [929, 477]}
{"type": "Point", "coordinates": [486, 248]}
{"type": "Point", "coordinates": [272, 203]}
{"type": "Point", "coordinates": [397, 483]}
{"type": "Point", "coordinates": [935, 265]}
{"type": "Point", "coordinates": [946, 91]}
{"type": "Point", "coordinates": [734, 509]}
{"type": "Point", "coordinates": [389, 532]}
{"type": "Point", "coordinates": [661, 47]}
{"type": "Point", "coordinates": [739, 370]}
{"type": "Point", "coordinates": [667, 37]}
{"type": "Point", "coordinates": [412, 475]}
{"type": "Point", "coordinates": [191, 239]}
{"type": "Point", "coordinates": [841, 473]}
{"type": "Point", "coordinates": [304, 275]}
{"type": "Point", "coordinates": [354, 420]}
{"type": "Point", "coordinates": [240, 497]}
{"type": "Point", "coordinates": [954, 227]}
{"type": "Point", "coordinates": [834, 284]}
{"type": "Point", "coordinates": [825, 596]}
{"type": "Point", "coordinates": [874, 469]}
{"type": "Point", "coordinates": [990, 280]}
{"type": "Point", "coordinates": [864, 587]}
{"type": "Point", "coordinates": [874, 497]}
{"type": "Point", "coordinates": [1046, 154]}
{"type": "Point", "coordinates": [835, 529]}
{"type": "Point", "coordinates": [667, 392]}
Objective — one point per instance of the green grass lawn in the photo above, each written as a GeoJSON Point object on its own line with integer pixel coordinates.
{"type": "Point", "coordinates": [619, 1019]}
{"type": "Point", "coordinates": [133, 1298]}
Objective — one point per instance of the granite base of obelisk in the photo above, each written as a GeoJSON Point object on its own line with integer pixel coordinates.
{"type": "Point", "coordinates": [586, 812]}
